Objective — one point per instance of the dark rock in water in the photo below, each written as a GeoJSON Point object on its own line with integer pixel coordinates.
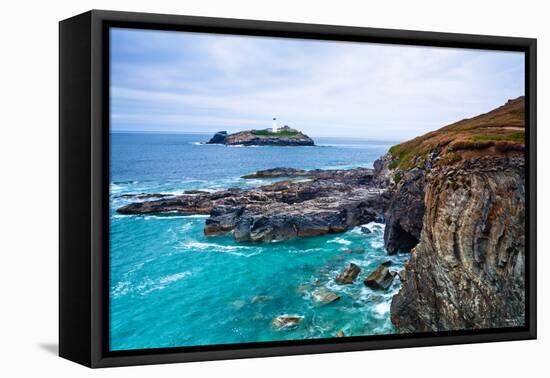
{"type": "Point", "coordinates": [260, 298]}
{"type": "Point", "coordinates": [286, 136]}
{"type": "Point", "coordinates": [324, 296]}
{"type": "Point", "coordinates": [280, 172]}
{"type": "Point", "coordinates": [222, 219]}
{"type": "Point", "coordinates": [380, 279]}
{"type": "Point", "coordinates": [195, 192]}
{"type": "Point", "coordinates": [387, 263]}
{"type": "Point", "coordinates": [286, 321]}
{"type": "Point", "coordinates": [218, 138]}
{"type": "Point", "coordinates": [323, 202]}
{"type": "Point", "coordinates": [340, 333]}
{"type": "Point", "coordinates": [348, 275]}
{"type": "Point", "coordinates": [366, 230]}
{"type": "Point", "coordinates": [468, 270]}
{"type": "Point", "coordinates": [201, 203]}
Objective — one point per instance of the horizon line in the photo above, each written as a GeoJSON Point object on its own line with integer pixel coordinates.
{"type": "Point", "coordinates": [168, 132]}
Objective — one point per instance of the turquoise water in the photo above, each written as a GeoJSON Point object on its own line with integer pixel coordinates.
{"type": "Point", "coordinates": [171, 286]}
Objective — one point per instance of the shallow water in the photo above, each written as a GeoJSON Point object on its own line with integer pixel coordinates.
{"type": "Point", "coordinates": [172, 286]}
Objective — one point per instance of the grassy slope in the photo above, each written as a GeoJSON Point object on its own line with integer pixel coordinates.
{"type": "Point", "coordinates": [502, 130]}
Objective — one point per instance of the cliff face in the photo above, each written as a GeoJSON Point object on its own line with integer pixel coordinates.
{"type": "Point", "coordinates": [405, 212]}
{"type": "Point", "coordinates": [499, 132]}
{"type": "Point", "coordinates": [468, 269]}
{"type": "Point", "coordinates": [458, 201]}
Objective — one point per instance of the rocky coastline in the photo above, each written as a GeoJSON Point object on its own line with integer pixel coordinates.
{"type": "Point", "coordinates": [304, 203]}
{"type": "Point", "coordinates": [453, 198]}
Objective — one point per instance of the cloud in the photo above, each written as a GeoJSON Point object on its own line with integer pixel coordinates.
{"type": "Point", "coordinates": [204, 82]}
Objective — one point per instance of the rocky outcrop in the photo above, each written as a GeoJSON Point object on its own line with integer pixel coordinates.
{"type": "Point", "coordinates": [286, 321]}
{"type": "Point", "coordinates": [218, 138]}
{"type": "Point", "coordinates": [500, 132]}
{"type": "Point", "coordinates": [468, 181]}
{"type": "Point", "coordinates": [381, 278]}
{"type": "Point", "coordinates": [286, 136]}
{"type": "Point", "coordinates": [348, 275]}
{"type": "Point", "coordinates": [468, 269]}
{"type": "Point", "coordinates": [324, 296]}
{"type": "Point", "coordinates": [320, 202]}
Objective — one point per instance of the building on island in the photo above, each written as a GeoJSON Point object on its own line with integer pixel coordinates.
{"type": "Point", "coordinates": [274, 127]}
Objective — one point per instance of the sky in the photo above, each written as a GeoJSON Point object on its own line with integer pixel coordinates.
{"type": "Point", "coordinates": [163, 81]}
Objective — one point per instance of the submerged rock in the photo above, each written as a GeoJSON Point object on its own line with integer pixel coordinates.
{"type": "Point", "coordinates": [348, 275]}
{"type": "Point", "coordinates": [324, 296]}
{"type": "Point", "coordinates": [340, 333]}
{"type": "Point", "coordinates": [366, 230]}
{"type": "Point", "coordinates": [380, 279]}
{"type": "Point", "coordinates": [260, 298]}
{"type": "Point", "coordinates": [286, 321]}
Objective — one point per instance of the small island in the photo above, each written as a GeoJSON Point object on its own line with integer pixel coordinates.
{"type": "Point", "coordinates": [275, 136]}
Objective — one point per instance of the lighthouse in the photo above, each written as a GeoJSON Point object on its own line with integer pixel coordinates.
{"type": "Point", "coordinates": [274, 127]}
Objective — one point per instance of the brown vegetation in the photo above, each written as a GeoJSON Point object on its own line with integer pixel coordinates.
{"type": "Point", "coordinates": [501, 131]}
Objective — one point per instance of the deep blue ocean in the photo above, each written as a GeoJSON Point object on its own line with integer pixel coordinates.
{"type": "Point", "coordinates": [172, 286]}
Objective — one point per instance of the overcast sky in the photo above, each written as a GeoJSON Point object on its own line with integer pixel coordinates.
{"type": "Point", "coordinates": [193, 82]}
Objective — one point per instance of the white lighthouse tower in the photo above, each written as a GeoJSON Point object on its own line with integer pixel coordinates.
{"type": "Point", "coordinates": [274, 127]}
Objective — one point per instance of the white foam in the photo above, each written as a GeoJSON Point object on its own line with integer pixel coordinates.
{"type": "Point", "coordinates": [239, 146]}
{"type": "Point", "coordinates": [377, 244]}
{"type": "Point", "coordinates": [120, 289]}
{"type": "Point", "coordinates": [186, 226]}
{"type": "Point", "coordinates": [118, 216]}
{"type": "Point", "coordinates": [202, 245]}
{"type": "Point", "coordinates": [373, 226]}
{"type": "Point", "coordinates": [340, 241]}
{"type": "Point", "coordinates": [382, 308]}
{"type": "Point", "coordinates": [216, 248]}
{"type": "Point", "coordinates": [169, 217]}
{"type": "Point", "coordinates": [173, 277]}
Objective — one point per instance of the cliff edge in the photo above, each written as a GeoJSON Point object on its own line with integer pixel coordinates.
{"type": "Point", "coordinates": [458, 204]}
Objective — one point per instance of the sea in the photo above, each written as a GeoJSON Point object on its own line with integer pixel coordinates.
{"type": "Point", "coordinates": [170, 286]}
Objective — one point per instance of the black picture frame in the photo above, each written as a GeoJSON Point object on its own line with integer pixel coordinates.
{"type": "Point", "coordinates": [84, 186]}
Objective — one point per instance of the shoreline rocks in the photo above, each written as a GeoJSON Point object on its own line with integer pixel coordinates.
{"type": "Point", "coordinates": [381, 278]}
{"type": "Point", "coordinates": [348, 276]}
{"type": "Point", "coordinates": [282, 322]}
{"type": "Point", "coordinates": [320, 202]}
{"type": "Point", "coordinates": [324, 296]}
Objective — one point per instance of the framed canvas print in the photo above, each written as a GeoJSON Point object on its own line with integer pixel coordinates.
{"type": "Point", "coordinates": [234, 188]}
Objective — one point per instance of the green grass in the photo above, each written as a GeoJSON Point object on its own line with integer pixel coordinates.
{"type": "Point", "coordinates": [282, 133]}
{"type": "Point", "coordinates": [517, 136]}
